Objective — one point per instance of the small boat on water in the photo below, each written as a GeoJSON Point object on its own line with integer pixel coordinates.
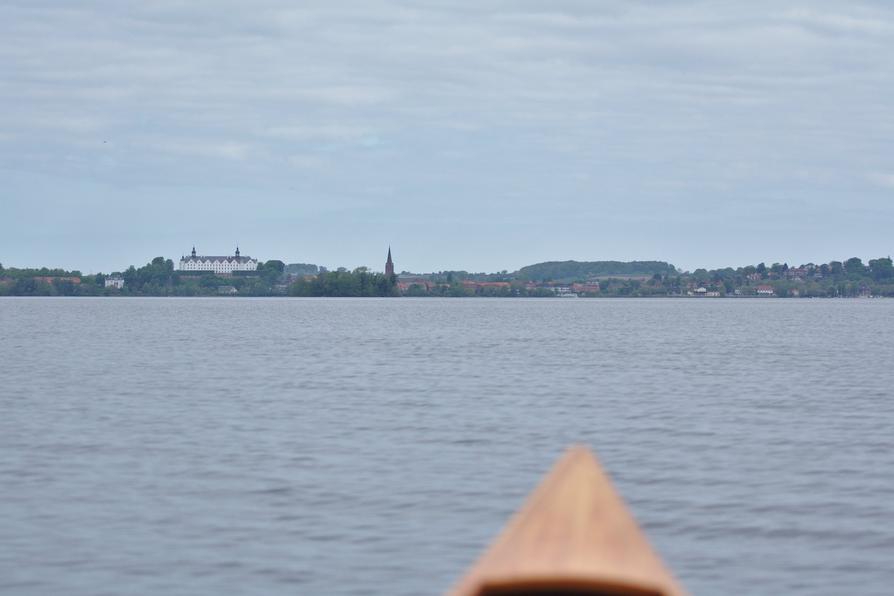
{"type": "Point", "coordinates": [574, 536]}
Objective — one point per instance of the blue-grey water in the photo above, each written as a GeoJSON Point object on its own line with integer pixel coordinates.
{"type": "Point", "coordinates": [267, 446]}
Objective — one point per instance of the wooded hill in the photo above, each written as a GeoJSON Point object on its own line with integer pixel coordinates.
{"type": "Point", "coordinates": [580, 270]}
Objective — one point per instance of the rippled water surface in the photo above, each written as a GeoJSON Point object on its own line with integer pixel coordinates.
{"type": "Point", "coordinates": [239, 446]}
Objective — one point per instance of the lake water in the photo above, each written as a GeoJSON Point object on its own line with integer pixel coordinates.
{"type": "Point", "coordinates": [341, 446]}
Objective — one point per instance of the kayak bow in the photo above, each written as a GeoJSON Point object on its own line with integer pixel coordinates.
{"type": "Point", "coordinates": [574, 535]}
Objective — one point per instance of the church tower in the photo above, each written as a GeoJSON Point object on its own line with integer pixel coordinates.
{"type": "Point", "coordinates": [389, 264]}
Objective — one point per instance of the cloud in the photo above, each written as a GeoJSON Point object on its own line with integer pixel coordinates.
{"type": "Point", "coordinates": [306, 161]}
{"type": "Point", "coordinates": [882, 180]}
{"type": "Point", "coordinates": [226, 150]}
{"type": "Point", "coordinates": [611, 109]}
{"type": "Point", "coordinates": [318, 132]}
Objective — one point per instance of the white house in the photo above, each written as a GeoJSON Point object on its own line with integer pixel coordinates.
{"type": "Point", "coordinates": [219, 265]}
{"type": "Point", "coordinates": [564, 292]}
{"type": "Point", "coordinates": [114, 281]}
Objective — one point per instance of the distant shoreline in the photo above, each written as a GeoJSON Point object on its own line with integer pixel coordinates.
{"type": "Point", "coordinates": [553, 279]}
{"type": "Point", "coordinates": [422, 298]}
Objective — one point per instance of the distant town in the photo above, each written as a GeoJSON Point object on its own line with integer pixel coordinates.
{"type": "Point", "coordinates": [240, 275]}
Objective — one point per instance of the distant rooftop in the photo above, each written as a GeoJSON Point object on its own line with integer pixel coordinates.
{"type": "Point", "coordinates": [216, 258]}
{"type": "Point", "coordinates": [235, 258]}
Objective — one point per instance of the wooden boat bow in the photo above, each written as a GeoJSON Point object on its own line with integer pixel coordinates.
{"type": "Point", "coordinates": [573, 536]}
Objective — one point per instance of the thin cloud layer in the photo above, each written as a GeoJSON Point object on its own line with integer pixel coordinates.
{"type": "Point", "coordinates": [485, 135]}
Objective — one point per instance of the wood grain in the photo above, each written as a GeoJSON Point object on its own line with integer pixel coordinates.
{"type": "Point", "coordinates": [574, 535]}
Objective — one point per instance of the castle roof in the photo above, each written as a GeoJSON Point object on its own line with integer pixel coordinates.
{"type": "Point", "coordinates": [216, 259]}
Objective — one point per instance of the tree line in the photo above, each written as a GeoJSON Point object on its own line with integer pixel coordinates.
{"type": "Point", "coordinates": [343, 283]}
{"type": "Point", "coordinates": [156, 278]}
{"type": "Point", "coordinates": [848, 278]}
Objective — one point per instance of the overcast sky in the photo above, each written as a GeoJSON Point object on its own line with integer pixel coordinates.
{"type": "Point", "coordinates": [467, 135]}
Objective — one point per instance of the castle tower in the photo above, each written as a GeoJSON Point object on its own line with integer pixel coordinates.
{"type": "Point", "coordinates": [389, 264]}
{"type": "Point", "coordinates": [237, 252]}
{"type": "Point", "coordinates": [193, 251]}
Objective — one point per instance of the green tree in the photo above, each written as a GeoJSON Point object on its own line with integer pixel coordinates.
{"type": "Point", "coordinates": [270, 272]}
{"type": "Point", "coordinates": [358, 283]}
{"type": "Point", "coordinates": [881, 268]}
{"type": "Point", "coordinates": [854, 266]}
{"type": "Point", "coordinates": [275, 265]}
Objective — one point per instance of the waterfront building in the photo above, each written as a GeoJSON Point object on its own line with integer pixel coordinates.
{"type": "Point", "coordinates": [585, 288]}
{"type": "Point", "coordinates": [765, 291]}
{"type": "Point", "coordinates": [474, 285]}
{"type": "Point", "coordinates": [114, 281]}
{"type": "Point", "coordinates": [563, 292]}
{"type": "Point", "coordinates": [217, 264]}
{"type": "Point", "coordinates": [389, 264]}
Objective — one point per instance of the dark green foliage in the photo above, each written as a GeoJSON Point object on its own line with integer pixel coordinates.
{"type": "Point", "coordinates": [881, 268]}
{"type": "Point", "coordinates": [271, 271]}
{"type": "Point", "coordinates": [301, 269]}
{"type": "Point", "coordinates": [854, 266]}
{"type": "Point", "coordinates": [277, 266]}
{"type": "Point", "coordinates": [156, 279]}
{"type": "Point", "coordinates": [357, 283]}
{"type": "Point", "coordinates": [583, 270]}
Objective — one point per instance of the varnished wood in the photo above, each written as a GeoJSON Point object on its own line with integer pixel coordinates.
{"type": "Point", "coordinates": [574, 535]}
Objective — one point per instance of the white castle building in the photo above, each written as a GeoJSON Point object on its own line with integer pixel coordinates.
{"type": "Point", "coordinates": [219, 265]}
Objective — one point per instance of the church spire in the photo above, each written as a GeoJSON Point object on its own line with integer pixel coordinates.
{"type": "Point", "coordinates": [389, 264]}
{"type": "Point", "coordinates": [193, 250]}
